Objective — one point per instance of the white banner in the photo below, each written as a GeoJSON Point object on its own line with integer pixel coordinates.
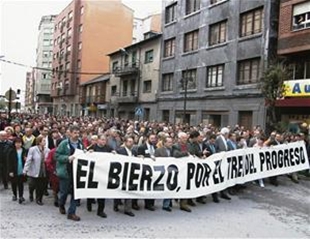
{"type": "Point", "coordinates": [107, 175]}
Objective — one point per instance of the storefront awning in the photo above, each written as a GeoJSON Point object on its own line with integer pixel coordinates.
{"type": "Point", "coordinates": [293, 102]}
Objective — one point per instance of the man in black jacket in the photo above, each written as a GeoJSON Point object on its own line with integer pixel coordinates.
{"type": "Point", "coordinates": [101, 146]}
{"type": "Point", "coordinates": [126, 150]}
{"type": "Point", "coordinates": [5, 147]}
{"type": "Point", "coordinates": [147, 150]}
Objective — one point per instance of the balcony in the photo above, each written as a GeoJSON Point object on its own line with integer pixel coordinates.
{"type": "Point", "coordinates": [94, 99]}
{"type": "Point", "coordinates": [126, 70]}
{"type": "Point", "coordinates": [125, 97]}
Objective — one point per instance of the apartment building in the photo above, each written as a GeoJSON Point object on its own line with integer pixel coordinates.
{"type": "Point", "coordinates": [133, 85]}
{"type": "Point", "coordinates": [214, 53]}
{"type": "Point", "coordinates": [151, 23]}
{"type": "Point", "coordinates": [294, 47]}
{"type": "Point", "coordinates": [85, 31]}
{"type": "Point", "coordinates": [44, 58]}
{"type": "Point", "coordinates": [29, 92]}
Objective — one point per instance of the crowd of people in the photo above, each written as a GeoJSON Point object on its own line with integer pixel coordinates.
{"type": "Point", "coordinates": [38, 150]}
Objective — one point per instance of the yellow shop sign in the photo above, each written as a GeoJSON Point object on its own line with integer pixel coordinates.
{"type": "Point", "coordinates": [297, 88]}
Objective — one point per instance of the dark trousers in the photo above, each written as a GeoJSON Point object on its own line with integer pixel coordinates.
{"type": "Point", "coordinates": [37, 184]}
{"type": "Point", "coordinates": [18, 182]}
{"type": "Point", "coordinates": [4, 176]}
{"type": "Point", "coordinates": [149, 202]}
{"type": "Point", "coordinates": [101, 205]}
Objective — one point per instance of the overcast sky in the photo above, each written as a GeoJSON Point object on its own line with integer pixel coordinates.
{"type": "Point", "coordinates": [19, 23]}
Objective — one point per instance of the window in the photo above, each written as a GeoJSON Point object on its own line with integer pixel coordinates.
{"type": "Point", "coordinates": [170, 13]}
{"type": "Point", "coordinates": [82, 10]}
{"type": "Point", "coordinates": [46, 42]}
{"type": "Point", "coordinates": [217, 33]}
{"type": "Point", "coordinates": [191, 41]}
{"type": "Point", "coordinates": [46, 53]}
{"type": "Point", "coordinates": [215, 76]}
{"type": "Point", "coordinates": [192, 6]}
{"type": "Point", "coordinates": [55, 42]}
{"type": "Point", "coordinates": [44, 76]}
{"type": "Point", "coordinates": [189, 79]}
{"type": "Point", "coordinates": [51, 42]}
{"type": "Point", "coordinates": [216, 1]}
{"type": "Point", "coordinates": [245, 119]}
{"type": "Point", "coordinates": [68, 50]}
{"type": "Point", "coordinates": [126, 61]}
{"type": "Point", "coordinates": [169, 47]}
{"type": "Point", "coordinates": [115, 66]}
{"type": "Point", "coordinates": [69, 32]}
{"type": "Point", "coordinates": [46, 31]}
{"type": "Point", "coordinates": [80, 28]}
{"type": "Point", "coordinates": [67, 65]}
{"type": "Point", "coordinates": [147, 86]}
{"type": "Point", "coordinates": [134, 58]}
{"type": "Point", "coordinates": [113, 90]}
{"type": "Point", "coordinates": [251, 22]}
{"type": "Point", "coordinates": [149, 56]}
{"type": "Point", "coordinates": [300, 70]}
{"type": "Point", "coordinates": [301, 16]}
{"type": "Point", "coordinates": [248, 71]}
{"type": "Point", "coordinates": [45, 64]}
{"type": "Point", "coordinates": [79, 64]}
{"type": "Point", "coordinates": [80, 46]}
{"type": "Point", "coordinates": [167, 82]}
{"type": "Point", "coordinates": [70, 15]}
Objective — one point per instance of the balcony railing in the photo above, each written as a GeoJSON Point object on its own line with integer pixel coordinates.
{"type": "Point", "coordinates": [94, 99]}
{"type": "Point", "coordinates": [125, 96]}
{"type": "Point", "coordinates": [126, 70]}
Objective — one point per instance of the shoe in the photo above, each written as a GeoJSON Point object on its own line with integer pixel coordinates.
{"type": "Point", "coordinates": [62, 210]}
{"type": "Point", "coordinates": [14, 198]}
{"type": "Point", "coordinates": [150, 208]}
{"type": "Point", "coordinates": [274, 183]}
{"type": "Point", "coordinates": [225, 196]}
{"type": "Point", "coordinates": [20, 201]}
{"type": "Point", "coordinates": [232, 191]}
{"type": "Point", "coordinates": [73, 217]}
{"type": "Point", "coordinates": [102, 214]}
{"type": "Point", "coordinates": [186, 209]}
{"type": "Point", "coordinates": [201, 200]}
{"type": "Point", "coordinates": [115, 208]}
{"type": "Point", "coordinates": [216, 200]}
{"type": "Point", "coordinates": [56, 204]}
{"type": "Point", "coordinates": [39, 202]}
{"type": "Point", "coordinates": [46, 193]}
{"type": "Point", "coordinates": [168, 209]}
{"type": "Point", "coordinates": [130, 214]}
{"type": "Point", "coordinates": [89, 207]}
{"type": "Point", "coordinates": [135, 207]}
{"type": "Point", "coordinates": [191, 203]}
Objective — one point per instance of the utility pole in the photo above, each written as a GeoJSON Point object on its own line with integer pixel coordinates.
{"type": "Point", "coordinates": [10, 102]}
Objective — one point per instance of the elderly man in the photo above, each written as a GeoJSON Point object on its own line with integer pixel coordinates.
{"type": "Point", "coordinates": [181, 149]}
{"type": "Point", "coordinates": [221, 146]}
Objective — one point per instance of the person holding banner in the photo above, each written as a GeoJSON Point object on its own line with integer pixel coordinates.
{"type": "Point", "coordinates": [209, 146]}
{"type": "Point", "coordinates": [126, 150]}
{"type": "Point", "coordinates": [221, 146]}
{"type": "Point", "coordinates": [147, 150]}
{"type": "Point", "coordinates": [179, 150]}
{"type": "Point", "coordinates": [165, 151]}
{"type": "Point", "coordinates": [64, 158]}
{"type": "Point", "coordinates": [100, 146]}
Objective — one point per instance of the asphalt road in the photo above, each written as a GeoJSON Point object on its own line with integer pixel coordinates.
{"type": "Point", "coordinates": [270, 212]}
